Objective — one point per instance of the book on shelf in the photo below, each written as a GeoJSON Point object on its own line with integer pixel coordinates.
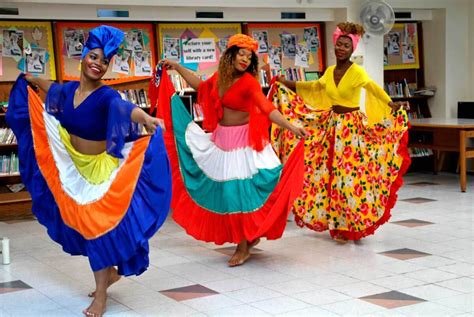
{"type": "Point", "coordinates": [427, 91]}
{"type": "Point", "coordinates": [180, 85]}
{"type": "Point", "coordinates": [9, 164]}
{"type": "Point", "coordinates": [420, 152]}
{"type": "Point", "coordinates": [136, 96]}
{"type": "Point", "coordinates": [290, 73]}
{"type": "Point", "coordinates": [7, 136]}
{"type": "Point", "coordinates": [400, 89]}
{"type": "Point", "coordinates": [15, 188]}
{"type": "Point", "coordinates": [415, 114]}
{"type": "Point", "coordinates": [198, 114]}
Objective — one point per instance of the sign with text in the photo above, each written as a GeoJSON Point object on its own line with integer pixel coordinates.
{"type": "Point", "coordinates": [199, 50]}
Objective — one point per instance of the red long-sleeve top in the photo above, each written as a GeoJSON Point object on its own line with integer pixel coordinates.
{"type": "Point", "coordinates": [244, 95]}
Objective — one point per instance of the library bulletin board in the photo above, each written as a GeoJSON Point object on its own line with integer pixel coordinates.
{"type": "Point", "coordinates": [175, 41]}
{"type": "Point", "coordinates": [26, 47]}
{"type": "Point", "coordinates": [134, 61]}
{"type": "Point", "coordinates": [401, 49]}
{"type": "Point", "coordinates": [309, 34]}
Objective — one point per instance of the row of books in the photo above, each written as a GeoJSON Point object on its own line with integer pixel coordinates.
{"type": "Point", "coordinates": [179, 83]}
{"type": "Point", "coordinates": [198, 114]}
{"type": "Point", "coordinates": [294, 73]}
{"type": "Point", "coordinates": [400, 89]}
{"type": "Point", "coordinates": [420, 152]}
{"type": "Point", "coordinates": [291, 73]}
{"type": "Point", "coordinates": [136, 96]}
{"type": "Point", "coordinates": [415, 113]}
{"type": "Point", "coordinates": [9, 164]}
{"type": "Point", "coordinates": [7, 136]}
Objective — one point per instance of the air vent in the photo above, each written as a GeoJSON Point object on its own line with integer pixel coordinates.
{"type": "Point", "coordinates": [9, 11]}
{"type": "Point", "coordinates": [293, 15]}
{"type": "Point", "coordinates": [402, 15]}
{"type": "Point", "coordinates": [105, 13]}
{"type": "Point", "coordinates": [209, 15]}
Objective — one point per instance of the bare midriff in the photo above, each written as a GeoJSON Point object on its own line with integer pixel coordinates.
{"type": "Point", "coordinates": [232, 117]}
{"type": "Point", "coordinates": [87, 146]}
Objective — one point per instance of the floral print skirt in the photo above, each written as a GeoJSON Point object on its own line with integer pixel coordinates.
{"type": "Point", "coordinates": [352, 170]}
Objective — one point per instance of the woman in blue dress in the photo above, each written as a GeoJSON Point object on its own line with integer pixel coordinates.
{"type": "Point", "coordinates": [100, 189]}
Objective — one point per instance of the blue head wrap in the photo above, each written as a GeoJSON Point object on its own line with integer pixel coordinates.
{"type": "Point", "coordinates": [105, 37]}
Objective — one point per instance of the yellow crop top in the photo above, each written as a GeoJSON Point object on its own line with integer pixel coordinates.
{"type": "Point", "coordinates": [323, 93]}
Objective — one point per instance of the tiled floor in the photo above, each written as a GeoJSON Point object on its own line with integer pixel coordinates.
{"type": "Point", "coordinates": [419, 264]}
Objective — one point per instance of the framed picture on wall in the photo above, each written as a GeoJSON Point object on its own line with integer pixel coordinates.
{"type": "Point", "coordinates": [401, 47]}
{"type": "Point", "coordinates": [137, 50]}
{"type": "Point", "coordinates": [26, 46]}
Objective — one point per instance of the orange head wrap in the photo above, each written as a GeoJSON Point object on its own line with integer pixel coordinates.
{"type": "Point", "coordinates": [243, 41]}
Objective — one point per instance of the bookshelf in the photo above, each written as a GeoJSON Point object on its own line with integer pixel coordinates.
{"type": "Point", "coordinates": [15, 201]}
{"type": "Point", "coordinates": [406, 82]}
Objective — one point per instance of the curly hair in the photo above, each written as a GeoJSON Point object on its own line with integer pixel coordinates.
{"type": "Point", "coordinates": [227, 71]}
{"type": "Point", "coordinates": [351, 28]}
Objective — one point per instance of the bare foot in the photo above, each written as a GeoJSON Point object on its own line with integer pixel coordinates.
{"type": "Point", "coordinates": [242, 253]}
{"type": "Point", "coordinates": [97, 307]}
{"type": "Point", "coordinates": [113, 277]}
{"type": "Point", "coordinates": [239, 257]}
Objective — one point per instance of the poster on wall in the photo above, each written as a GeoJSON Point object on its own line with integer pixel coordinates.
{"type": "Point", "coordinates": [222, 45]}
{"type": "Point", "coordinates": [12, 43]}
{"type": "Point", "coordinates": [171, 49]}
{"type": "Point", "coordinates": [401, 47]}
{"type": "Point", "coordinates": [142, 63]}
{"type": "Point", "coordinates": [393, 44]}
{"type": "Point", "coordinates": [310, 36]}
{"type": "Point", "coordinates": [302, 55]}
{"type": "Point", "coordinates": [408, 47]}
{"type": "Point", "coordinates": [26, 46]}
{"type": "Point", "coordinates": [288, 44]}
{"type": "Point", "coordinates": [74, 41]}
{"type": "Point", "coordinates": [199, 50]}
{"type": "Point", "coordinates": [121, 63]}
{"type": "Point", "coordinates": [274, 56]}
{"type": "Point", "coordinates": [138, 39]}
{"type": "Point", "coordinates": [134, 41]}
{"type": "Point", "coordinates": [262, 39]}
{"type": "Point", "coordinates": [36, 60]}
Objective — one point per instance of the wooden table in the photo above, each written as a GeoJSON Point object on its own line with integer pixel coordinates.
{"type": "Point", "coordinates": [449, 135]}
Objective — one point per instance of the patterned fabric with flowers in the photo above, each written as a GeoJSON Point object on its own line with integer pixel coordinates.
{"type": "Point", "coordinates": [352, 170]}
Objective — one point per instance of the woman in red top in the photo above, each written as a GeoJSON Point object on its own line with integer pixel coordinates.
{"type": "Point", "coordinates": [228, 184]}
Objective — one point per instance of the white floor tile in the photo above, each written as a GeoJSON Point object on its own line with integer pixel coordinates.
{"type": "Point", "coordinates": [361, 289]}
{"type": "Point", "coordinates": [431, 275]}
{"type": "Point", "coordinates": [293, 287]}
{"type": "Point", "coordinates": [209, 303]}
{"type": "Point", "coordinates": [427, 309]}
{"type": "Point", "coordinates": [354, 307]}
{"type": "Point", "coordinates": [321, 297]}
{"type": "Point", "coordinates": [228, 285]}
{"type": "Point", "coordinates": [430, 292]}
{"type": "Point", "coordinates": [463, 284]}
{"type": "Point", "coordinates": [396, 282]}
{"type": "Point", "coordinates": [241, 310]}
{"type": "Point", "coordinates": [464, 302]}
{"type": "Point", "coordinates": [309, 312]}
{"type": "Point", "coordinates": [280, 305]}
{"type": "Point", "coordinates": [253, 294]}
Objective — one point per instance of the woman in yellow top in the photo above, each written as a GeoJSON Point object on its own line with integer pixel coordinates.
{"type": "Point", "coordinates": [354, 161]}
